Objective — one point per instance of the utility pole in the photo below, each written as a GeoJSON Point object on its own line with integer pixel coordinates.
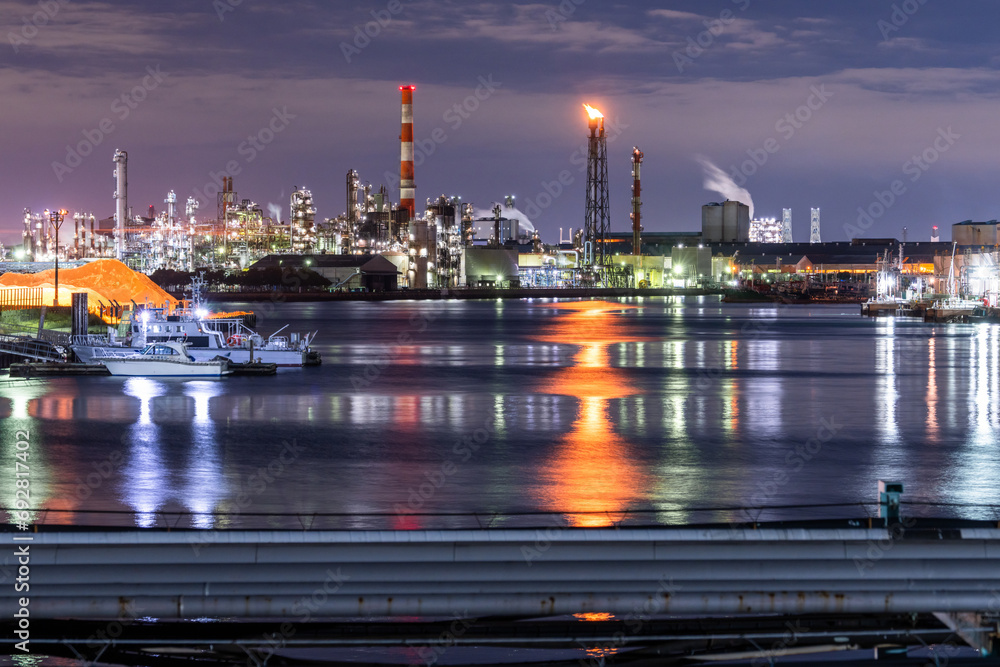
{"type": "Point", "coordinates": [56, 220]}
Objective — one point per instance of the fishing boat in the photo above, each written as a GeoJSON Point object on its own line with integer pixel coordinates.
{"type": "Point", "coordinates": [887, 281]}
{"type": "Point", "coordinates": [953, 308]}
{"type": "Point", "coordinates": [169, 359]}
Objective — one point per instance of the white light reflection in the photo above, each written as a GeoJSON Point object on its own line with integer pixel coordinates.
{"type": "Point", "coordinates": [146, 480]}
{"type": "Point", "coordinates": [205, 485]}
{"type": "Point", "coordinates": [981, 418]}
{"type": "Point", "coordinates": [976, 465]}
{"type": "Point", "coordinates": [20, 395]}
{"type": "Point", "coordinates": [885, 386]}
{"type": "Point", "coordinates": [932, 391]}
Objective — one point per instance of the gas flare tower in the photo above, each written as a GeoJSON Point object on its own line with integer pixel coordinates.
{"type": "Point", "coordinates": [596, 221]}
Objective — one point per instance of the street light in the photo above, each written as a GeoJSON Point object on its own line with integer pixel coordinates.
{"type": "Point", "coordinates": [56, 220]}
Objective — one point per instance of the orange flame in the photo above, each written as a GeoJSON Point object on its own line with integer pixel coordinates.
{"type": "Point", "coordinates": [594, 113]}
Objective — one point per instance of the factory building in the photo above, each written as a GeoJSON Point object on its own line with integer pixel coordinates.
{"type": "Point", "coordinates": [766, 230]}
{"type": "Point", "coordinates": [975, 233]}
{"type": "Point", "coordinates": [371, 273]}
{"type": "Point", "coordinates": [491, 267]}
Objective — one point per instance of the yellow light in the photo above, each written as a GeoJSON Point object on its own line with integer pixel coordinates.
{"type": "Point", "coordinates": [592, 112]}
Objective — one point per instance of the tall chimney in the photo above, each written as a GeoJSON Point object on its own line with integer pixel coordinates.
{"type": "Point", "coordinates": [636, 202]}
{"type": "Point", "coordinates": [121, 201]}
{"type": "Point", "coordinates": [406, 185]}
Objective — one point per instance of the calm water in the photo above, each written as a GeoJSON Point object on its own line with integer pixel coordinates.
{"type": "Point", "coordinates": [497, 407]}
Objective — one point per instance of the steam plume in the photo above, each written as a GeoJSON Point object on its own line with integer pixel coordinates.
{"type": "Point", "coordinates": [719, 181]}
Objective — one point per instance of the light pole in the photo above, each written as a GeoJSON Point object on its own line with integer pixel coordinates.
{"type": "Point", "coordinates": [56, 220]}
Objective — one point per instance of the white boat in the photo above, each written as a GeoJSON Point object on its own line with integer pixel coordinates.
{"type": "Point", "coordinates": [169, 359]}
{"type": "Point", "coordinates": [206, 338]}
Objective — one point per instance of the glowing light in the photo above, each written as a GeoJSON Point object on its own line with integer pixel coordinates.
{"type": "Point", "coordinates": [592, 112]}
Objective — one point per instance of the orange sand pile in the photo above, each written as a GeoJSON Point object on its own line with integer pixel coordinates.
{"type": "Point", "coordinates": [103, 280]}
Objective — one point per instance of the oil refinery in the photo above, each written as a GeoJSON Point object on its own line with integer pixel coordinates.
{"type": "Point", "coordinates": [454, 244]}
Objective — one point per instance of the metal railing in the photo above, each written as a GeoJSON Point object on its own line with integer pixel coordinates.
{"type": "Point", "coordinates": [30, 348]}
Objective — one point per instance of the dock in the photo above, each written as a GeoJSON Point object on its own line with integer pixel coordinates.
{"type": "Point", "coordinates": [253, 368]}
{"type": "Point", "coordinates": [56, 369]}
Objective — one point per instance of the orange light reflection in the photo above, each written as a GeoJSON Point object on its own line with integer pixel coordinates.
{"type": "Point", "coordinates": [592, 469]}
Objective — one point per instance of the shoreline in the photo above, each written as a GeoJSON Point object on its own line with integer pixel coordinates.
{"type": "Point", "coordinates": [727, 296]}
{"type": "Point", "coordinates": [461, 293]}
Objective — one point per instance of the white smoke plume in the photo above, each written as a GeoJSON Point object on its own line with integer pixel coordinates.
{"type": "Point", "coordinates": [275, 212]}
{"type": "Point", "coordinates": [719, 181]}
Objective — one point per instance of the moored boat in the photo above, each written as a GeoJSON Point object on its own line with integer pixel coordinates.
{"type": "Point", "coordinates": [167, 359]}
{"type": "Point", "coordinates": [206, 337]}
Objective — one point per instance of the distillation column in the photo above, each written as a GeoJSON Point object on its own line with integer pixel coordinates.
{"type": "Point", "coordinates": [121, 201]}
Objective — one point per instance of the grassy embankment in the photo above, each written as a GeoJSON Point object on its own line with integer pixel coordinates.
{"type": "Point", "coordinates": [56, 319]}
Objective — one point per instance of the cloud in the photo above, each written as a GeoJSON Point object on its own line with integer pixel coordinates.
{"type": "Point", "coordinates": [674, 15]}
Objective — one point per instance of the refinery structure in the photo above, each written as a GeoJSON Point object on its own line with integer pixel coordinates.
{"type": "Point", "coordinates": [452, 243]}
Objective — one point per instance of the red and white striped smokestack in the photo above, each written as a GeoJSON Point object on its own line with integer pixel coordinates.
{"type": "Point", "coordinates": [406, 186]}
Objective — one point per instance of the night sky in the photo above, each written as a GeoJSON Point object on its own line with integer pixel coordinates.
{"type": "Point", "coordinates": [832, 100]}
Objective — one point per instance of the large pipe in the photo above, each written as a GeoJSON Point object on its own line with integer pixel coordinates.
{"type": "Point", "coordinates": [92, 602]}
{"type": "Point", "coordinates": [636, 202]}
{"type": "Point", "coordinates": [121, 201]}
{"type": "Point", "coordinates": [406, 185]}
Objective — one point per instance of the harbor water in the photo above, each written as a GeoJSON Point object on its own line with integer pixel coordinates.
{"type": "Point", "coordinates": [464, 413]}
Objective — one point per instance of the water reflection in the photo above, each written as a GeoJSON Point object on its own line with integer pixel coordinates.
{"type": "Point", "coordinates": [886, 395]}
{"type": "Point", "coordinates": [976, 464]}
{"type": "Point", "coordinates": [593, 469]}
{"type": "Point", "coordinates": [204, 484]}
{"type": "Point", "coordinates": [146, 484]}
{"type": "Point", "coordinates": [22, 426]}
{"type": "Point", "coordinates": [595, 409]}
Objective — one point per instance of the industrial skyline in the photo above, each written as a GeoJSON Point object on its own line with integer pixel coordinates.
{"type": "Point", "coordinates": [882, 107]}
